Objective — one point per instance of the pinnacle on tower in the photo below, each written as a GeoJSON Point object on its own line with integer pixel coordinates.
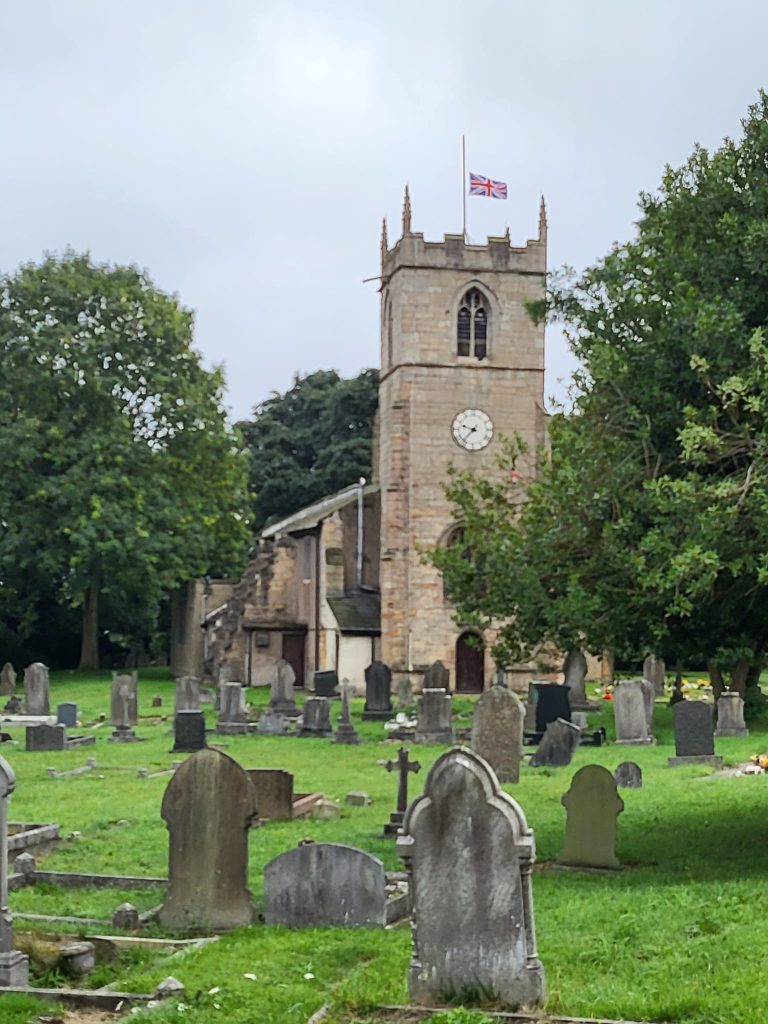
{"type": "Point", "coordinates": [406, 212]}
{"type": "Point", "coordinates": [384, 240]}
{"type": "Point", "coordinates": [542, 221]}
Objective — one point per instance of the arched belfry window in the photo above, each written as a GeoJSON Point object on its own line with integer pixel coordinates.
{"type": "Point", "coordinates": [472, 326]}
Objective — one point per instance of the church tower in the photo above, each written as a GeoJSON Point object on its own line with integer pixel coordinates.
{"type": "Point", "coordinates": [461, 364]}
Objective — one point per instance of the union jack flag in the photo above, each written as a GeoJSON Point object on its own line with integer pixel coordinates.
{"type": "Point", "coordinates": [480, 186]}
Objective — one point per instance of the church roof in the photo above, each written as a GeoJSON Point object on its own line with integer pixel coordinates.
{"type": "Point", "coordinates": [312, 515]}
{"type": "Point", "coordinates": [358, 611]}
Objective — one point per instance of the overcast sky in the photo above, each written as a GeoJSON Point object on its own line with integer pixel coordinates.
{"type": "Point", "coordinates": [245, 152]}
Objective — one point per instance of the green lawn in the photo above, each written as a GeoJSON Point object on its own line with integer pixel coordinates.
{"type": "Point", "coordinates": [677, 936]}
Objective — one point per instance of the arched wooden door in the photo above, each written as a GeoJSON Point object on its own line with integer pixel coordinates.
{"type": "Point", "coordinates": [469, 664]}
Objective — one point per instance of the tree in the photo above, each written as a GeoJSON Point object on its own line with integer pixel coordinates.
{"type": "Point", "coordinates": [646, 529]}
{"type": "Point", "coordinates": [313, 440]}
{"type": "Point", "coordinates": [121, 477]}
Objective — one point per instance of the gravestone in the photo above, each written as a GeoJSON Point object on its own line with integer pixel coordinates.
{"type": "Point", "coordinates": [232, 718]}
{"type": "Point", "coordinates": [36, 689]}
{"type": "Point", "coordinates": [272, 723]}
{"type": "Point", "coordinates": [378, 700]}
{"type": "Point", "coordinates": [325, 884]}
{"type": "Point", "coordinates": [592, 805]}
{"type": "Point", "coordinates": [14, 965]}
{"type": "Point", "coordinates": [273, 789]}
{"type": "Point", "coordinates": [404, 692]}
{"type": "Point", "coordinates": [434, 718]}
{"type": "Point", "coordinates": [558, 745]}
{"type": "Point", "coordinates": [654, 670]}
{"type": "Point", "coordinates": [317, 717]}
{"type": "Point", "coordinates": [188, 732]}
{"type": "Point", "coordinates": [325, 684]}
{"type": "Point", "coordinates": [345, 731]}
{"type": "Point", "coordinates": [208, 807]}
{"type": "Point", "coordinates": [694, 735]}
{"type": "Point", "coordinates": [281, 698]}
{"type": "Point", "coordinates": [124, 706]}
{"type": "Point", "coordinates": [575, 673]}
{"type": "Point", "coordinates": [7, 680]}
{"type": "Point", "coordinates": [186, 694]}
{"type": "Point", "coordinates": [549, 701]}
{"type": "Point", "coordinates": [629, 775]}
{"type": "Point", "coordinates": [497, 731]}
{"type": "Point", "coordinates": [469, 853]}
{"type": "Point", "coordinates": [66, 714]}
{"type": "Point", "coordinates": [437, 677]}
{"type": "Point", "coordinates": [630, 713]}
{"type": "Point", "coordinates": [404, 766]}
{"type": "Point", "coordinates": [46, 737]}
{"type": "Point", "coordinates": [730, 715]}
{"type": "Point", "coordinates": [649, 700]}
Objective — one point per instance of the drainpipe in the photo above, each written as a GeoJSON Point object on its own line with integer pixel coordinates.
{"type": "Point", "coordinates": [360, 486]}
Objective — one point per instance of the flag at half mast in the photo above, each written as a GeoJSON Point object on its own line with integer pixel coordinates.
{"type": "Point", "coordinates": [481, 186]}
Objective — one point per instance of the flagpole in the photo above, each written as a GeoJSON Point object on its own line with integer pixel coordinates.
{"type": "Point", "coordinates": [464, 186]}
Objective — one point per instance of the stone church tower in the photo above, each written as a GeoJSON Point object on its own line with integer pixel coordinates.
{"type": "Point", "coordinates": [461, 365]}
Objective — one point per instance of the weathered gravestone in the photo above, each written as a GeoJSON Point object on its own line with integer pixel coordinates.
{"type": "Point", "coordinates": [730, 715]}
{"type": "Point", "coordinates": [281, 698]}
{"type": "Point", "coordinates": [497, 731]}
{"type": "Point", "coordinates": [437, 677]}
{"type": "Point", "coordinates": [7, 680]}
{"type": "Point", "coordinates": [46, 737]}
{"type": "Point", "coordinates": [546, 703]}
{"type": "Point", "coordinates": [188, 731]}
{"type": "Point", "coordinates": [322, 884]}
{"type": "Point", "coordinates": [469, 852]}
{"type": "Point", "coordinates": [649, 700]}
{"type": "Point", "coordinates": [186, 694]}
{"type": "Point", "coordinates": [273, 789]}
{"type": "Point", "coordinates": [272, 723]}
{"type": "Point", "coordinates": [66, 714]}
{"type": "Point", "coordinates": [592, 804]}
{"type": "Point", "coordinates": [326, 684]}
{"type": "Point", "coordinates": [575, 673]}
{"type": "Point", "coordinates": [124, 706]}
{"type": "Point", "coordinates": [208, 807]}
{"type": "Point", "coordinates": [694, 735]}
{"type": "Point", "coordinates": [629, 775]}
{"type": "Point", "coordinates": [654, 670]}
{"type": "Point", "coordinates": [317, 717]}
{"type": "Point", "coordinates": [404, 766]}
{"type": "Point", "coordinates": [404, 692]}
{"type": "Point", "coordinates": [36, 689]}
{"type": "Point", "coordinates": [558, 745]}
{"type": "Point", "coordinates": [630, 712]}
{"type": "Point", "coordinates": [434, 718]}
{"type": "Point", "coordinates": [232, 717]}
{"type": "Point", "coordinates": [14, 965]}
{"type": "Point", "coordinates": [345, 731]}
{"type": "Point", "coordinates": [378, 700]}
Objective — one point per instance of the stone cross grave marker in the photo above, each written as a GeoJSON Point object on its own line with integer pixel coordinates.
{"type": "Point", "coordinates": [66, 714]}
{"type": "Point", "coordinates": [378, 698]}
{"type": "Point", "coordinates": [124, 706]}
{"type": "Point", "coordinates": [232, 718]}
{"type": "Point", "coordinates": [188, 731]}
{"type": "Point", "coordinates": [629, 775]}
{"type": "Point", "coordinates": [575, 672]}
{"type": "Point", "coordinates": [730, 715]}
{"type": "Point", "coordinates": [345, 731]}
{"type": "Point", "coordinates": [469, 852]}
{"type": "Point", "coordinates": [208, 807]}
{"type": "Point", "coordinates": [7, 680]}
{"type": "Point", "coordinates": [281, 698]}
{"type": "Point", "coordinates": [437, 677]}
{"type": "Point", "coordinates": [558, 745]}
{"type": "Point", "coordinates": [654, 670]}
{"type": "Point", "coordinates": [497, 731]}
{"type": "Point", "coordinates": [14, 965]}
{"type": "Point", "coordinates": [592, 805]}
{"type": "Point", "coordinates": [403, 765]}
{"type": "Point", "coordinates": [186, 694]}
{"type": "Point", "coordinates": [630, 713]}
{"type": "Point", "coordinates": [694, 735]}
{"type": "Point", "coordinates": [434, 723]}
{"type": "Point", "coordinates": [36, 689]}
{"type": "Point", "coordinates": [317, 717]}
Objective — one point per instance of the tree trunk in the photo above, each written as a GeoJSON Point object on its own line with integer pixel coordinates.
{"type": "Point", "coordinates": [739, 676]}
{"type": "Point", "coordinates": [89, 647]}
{"type": "Point", "coordinates": [716, 679]}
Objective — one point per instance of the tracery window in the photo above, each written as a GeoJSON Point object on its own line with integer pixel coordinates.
{"type": "Point", "coordinates": [472, 326]}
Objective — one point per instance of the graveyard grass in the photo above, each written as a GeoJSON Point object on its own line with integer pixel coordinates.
{"type": "Point", "coordinates": [678, 935]}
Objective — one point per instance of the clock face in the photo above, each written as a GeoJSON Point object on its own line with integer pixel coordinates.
{"type": "Point", "coordinates": [472, 429]}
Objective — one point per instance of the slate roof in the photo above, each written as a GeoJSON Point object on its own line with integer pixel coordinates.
{"type": "Point", "coordinates": [312, 515]}
{"type": "Point", "coordinates": [357, 611]}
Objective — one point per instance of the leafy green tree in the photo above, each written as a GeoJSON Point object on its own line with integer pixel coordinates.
{"type": "Point", "coordinates": [121, 477]}
{"type": "Point", "coordinates": [647, 529]}
{"type": "Point", "coordinates": [313, 440]}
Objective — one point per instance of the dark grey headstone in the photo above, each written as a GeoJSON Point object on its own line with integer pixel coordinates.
{"type": "Point", "coordinates": [694, 734]}
{"type": "Point", "coordinates": [378, 698]}
{"type": "Point", "coordinates": [209, 806]}
{"type": "Point", "coordinates": [188, 732]}
{"type": "Point", "coordinates": [558, 745]}
{"type": "Point", "coordinates": [317, 717]}
{"type": "Point", "coordinates": [437, 677]}
{"type": "Point", "coordinates": [36, 700]}
{"type": "Point", "coordinates": [66, 714]}
{"type": "Point", "coordinates": [274, 793]}
{"type": "Point", "coordinates": [434, 723]}
{"type": "Point", "coordinates": [322, 884]}
{"type": "Point", "coordinates": [46, 737]}
{"type": "Point", "coordinates": [551, 702]}
{"type": "Point", "coordinates": [326, 684]}
{"type": "Point", "coordinates": [629, 775]}
{"type": "Point", "coordinates": [469, 852]}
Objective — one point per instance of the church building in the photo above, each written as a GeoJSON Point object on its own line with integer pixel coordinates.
{"type": "Point", "coordinates": [344, 581]}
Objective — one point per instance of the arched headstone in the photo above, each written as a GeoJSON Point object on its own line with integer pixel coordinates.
{"type": "Point", "coordinates": [629, 775]}
{"type": "Point", "coordinates": [281, 698]}
{"type": "Point", "coordinates": [469, 852]}
{"type": "Point", "coordinates": [654, 670]}
{"type": "Point", "coordinates": [630, 712]}
{"type": "Point", "coordinates": [7, 680]}
{"type": "Point", "coordinates": [36, 689]}
{"type": "Point", "coordinates": [497, 732]}
{"type": "Point", "coordinates": [575, 673]}
{"type": "Point", "coordinates": [592, 804]}
{"type": "Point", "coordinates": [437, 677]}
{"type": "Point", "coordinates": [378, 699]}
{"type": "Point", "coordinates": [14, 965]}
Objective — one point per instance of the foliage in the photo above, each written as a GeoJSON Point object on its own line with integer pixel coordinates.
{"type": "Point", "coordinates": [121, 477]}
{"type": "Point", "coordinates": [310, 442]}
{"type": "Point", "coordinates": [646, 528]}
